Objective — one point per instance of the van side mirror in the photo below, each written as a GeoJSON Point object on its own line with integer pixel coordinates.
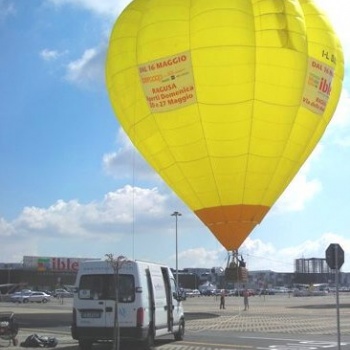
{"type": "Point", "coordinates": [179, 295]}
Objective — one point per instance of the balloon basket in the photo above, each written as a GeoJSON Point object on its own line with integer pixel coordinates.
{"type": "Point", "coordinates": [236, 270]}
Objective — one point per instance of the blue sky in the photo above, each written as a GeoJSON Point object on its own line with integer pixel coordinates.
{"type": "Point", "coordinates": [71, 185]}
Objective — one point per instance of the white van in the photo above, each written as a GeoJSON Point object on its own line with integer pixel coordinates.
{"type": "Point", "coordinates": [149, 304]}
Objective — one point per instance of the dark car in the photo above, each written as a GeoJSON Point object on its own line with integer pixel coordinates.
{"type": "Point", "coordinates": [208, 292]}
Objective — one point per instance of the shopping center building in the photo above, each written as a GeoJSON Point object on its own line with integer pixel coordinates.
{"type": "Point", "coordinates": [39, 273]}
{"type": "Point", "coordinates": [49, 273]}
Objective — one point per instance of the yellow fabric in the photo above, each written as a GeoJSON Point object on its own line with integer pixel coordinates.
{"type": "Point", "coordinates": [226, 99]}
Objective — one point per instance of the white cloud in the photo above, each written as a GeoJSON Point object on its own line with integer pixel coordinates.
{"type": "Point", "coordinates": [340, 123]}
{"type": "Point", "coordinates": [71, 218]}
{"type": "Point", "coordinates": [302, 189]}
{"type": "Point", "coordinates": [111, 218]}
{"type": "Point", "coordinates": [339, 128]}
{"type": "Point", "coordinates": [6, 229]}
{"type": "Point", "coordinates": [101, 7]}
{"type": "Point", "coordinates": [265, 256]}
{"type": "Point", "coordinates": [341, 117]}
{"type": "Point", "coordinates": [49, 55]}
{"type": "Point", "coordinates": [201, 257]}
{"type": "Point", "coordinates": [339, 20]}
{"type": "Point", "coordinates": [260, 255]}
{"type": "Point", "coordinates": [7, 9]}
{"type": "Point", "coordinates": [126, 161]}
{"type": "Point", "coordinates": [88, 69]}
{"type": "Point", "coordinates": [142, 202]}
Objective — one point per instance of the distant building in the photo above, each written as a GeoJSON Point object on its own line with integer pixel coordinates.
{"type": "Point", "coordinates": [188, 280]}
{"type": "Point", "coordinates": [47, 273]}
{"type": "Point", "coordinates": [313, 271]}
{"type": "Point", "coordinates": [265, 279]}
{"type": "Point", "coordinates": [39, 272]}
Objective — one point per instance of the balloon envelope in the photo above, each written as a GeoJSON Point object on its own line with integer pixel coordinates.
{"type": "Point", "coordinates": [226, 99]}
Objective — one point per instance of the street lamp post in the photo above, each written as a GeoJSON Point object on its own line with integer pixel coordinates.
{"type": "Point", "coordinates": [176, 214]}
{"type": "Point", "coordinates": [116, 264]}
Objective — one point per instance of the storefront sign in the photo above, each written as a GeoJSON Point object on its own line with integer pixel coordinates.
{"type": "Point", "coordinates": [52, 263]}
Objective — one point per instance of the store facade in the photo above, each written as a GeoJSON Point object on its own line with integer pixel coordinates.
{"type": "Point", "coordinates": [40, 273]}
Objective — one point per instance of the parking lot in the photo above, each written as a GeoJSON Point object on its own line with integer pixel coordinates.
{"type": "Point", "coordinates": [276, 314]}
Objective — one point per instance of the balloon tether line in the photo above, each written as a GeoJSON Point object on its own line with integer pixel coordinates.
{"type": "Point", "coordinates": [133, 202]}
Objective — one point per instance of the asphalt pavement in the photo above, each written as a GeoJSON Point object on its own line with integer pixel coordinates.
{"type": "Point", "coordinates": [276, 314]}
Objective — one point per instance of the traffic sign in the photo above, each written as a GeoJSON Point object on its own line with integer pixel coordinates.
{"type": "Point", "coordinates": [335, 256]}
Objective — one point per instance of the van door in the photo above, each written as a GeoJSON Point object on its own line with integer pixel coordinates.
{"type": "Point", "coordinates": [160, 298]}
{"type": "Point", "coordinates": [169, 299]}
{"type": "Point", "coordinates": [151, 301]}
{"type": "Point", "coordinates": [96, 301]}
{"type": "Point", "coordinates": [177, 305]}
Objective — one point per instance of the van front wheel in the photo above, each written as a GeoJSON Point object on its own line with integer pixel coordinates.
{"type": "Point", "coordinates": [179, 335]}
{"type": "Point", "coordinates": [148, 343]}
{"type": "Point", "coordinates": [85, 344]}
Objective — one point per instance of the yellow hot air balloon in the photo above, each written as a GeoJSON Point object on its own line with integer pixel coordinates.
{"type": "Point", "coordinates": [225, 99]}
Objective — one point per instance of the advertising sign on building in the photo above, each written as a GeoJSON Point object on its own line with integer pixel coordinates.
{"type": "Point", "coordinates": [40, 263]}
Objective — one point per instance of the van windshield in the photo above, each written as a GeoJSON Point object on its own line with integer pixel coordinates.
{"type": "Point", "coordinates": [100, 287]}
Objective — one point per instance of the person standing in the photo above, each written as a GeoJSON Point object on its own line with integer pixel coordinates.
{"type": "Point", "coordinates": [246, 300]}
{"type": "Point", "coordinates": [222, 300]}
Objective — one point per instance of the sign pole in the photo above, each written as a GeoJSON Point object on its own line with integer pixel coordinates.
{"type": "Point", "coordinates": [337, 293]}
{"type": "Point", "coordinates": [335, 260]}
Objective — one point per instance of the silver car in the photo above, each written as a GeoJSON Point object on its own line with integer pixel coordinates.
{"type": "Point", "coordinates": [33, 297]}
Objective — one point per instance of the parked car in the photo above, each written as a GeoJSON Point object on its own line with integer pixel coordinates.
{"type": "Point", "coordinates": [32, 297]}
{"type": "Point", "coordinates": [182, 293]}
{"type": "Point", "coordinates": [192, 293]}
{"type": "Point", "coordinates": [208, 292]}
{"type": "Point", "coordinates": [251, 292]}
{"type": "Point", "coordinates": [18, 296]}
{"type": "Point", "coordinates": [232, 292]}
{"type": "Point", "coordinates": [265, 292]}
{"type": "Point", "coordinates": [62, 293]}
